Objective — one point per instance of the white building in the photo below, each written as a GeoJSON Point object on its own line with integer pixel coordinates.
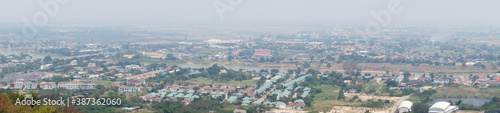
{"type": "Point", "coordinates": [470, 63]}
{"type": "Point", "coordinates": [441, 81]}
{"type": "Point", "coordinates": [47, 85]}
{"type": "Point", "coordinates": [30, 86]}
{"type": "Point", "coordinates": [77, 85]}
{"type": "Point", "coordinates": [73, 63]}
{"type": "Point", "coordinates": [442, 107]}
{"type": "Point", "coordinates": [46, 66]}
{"type": "Point", "coordinates": [128, 89]}
{"type": "Point", "coordinates": [16, 85]}
{"type": "Point", "coordinates": [91, 65]}
{"type": "Point", "coordinates": [405, 107]}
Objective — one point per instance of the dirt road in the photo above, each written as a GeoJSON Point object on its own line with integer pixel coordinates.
{"type": "Point", "coordinates": [396, 105]}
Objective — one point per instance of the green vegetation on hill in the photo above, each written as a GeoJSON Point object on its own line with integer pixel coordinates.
{"type": "Point", "coordinates": [8, 105]}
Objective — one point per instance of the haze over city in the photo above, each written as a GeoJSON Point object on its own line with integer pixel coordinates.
{"type": "Point", "coordinates": [356, 12]}
{"type": "Point", "coordinates": [249, 56]}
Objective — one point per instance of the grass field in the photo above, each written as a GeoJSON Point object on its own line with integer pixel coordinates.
{"type": "Point", "coordinates": [382, 91]}
{"type": "Point", "coordinates": [207, 80]}
{"type": "Point", "coordinates": [328, 98]}
{"type": "Point", "coordinates": [414, 99]}
{"type": "Point", "coordinates": [370, 85]}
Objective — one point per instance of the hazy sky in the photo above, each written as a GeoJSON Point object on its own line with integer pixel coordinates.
{"type": "Point", "coordinates": [454, 12]}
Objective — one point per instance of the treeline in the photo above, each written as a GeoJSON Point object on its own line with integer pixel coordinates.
{"type": "Point", "coordinates": [489, 57]}
{"type": "Point", "coordinates": [20, 68]}
{"type": "Point", "coordinates": [197, 106]}
{"type": "Point", "coordinates": [214, 72]}
{"type": "Point", "coordinates": [334, 79]}
{"type": "Point", "coordinates": [492, 106]}
{"type": "Point", "coordinates": [217, 73]}
{"type": "Point", "coordinates": [365, 59]}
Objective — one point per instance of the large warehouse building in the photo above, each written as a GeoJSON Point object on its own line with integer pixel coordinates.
{"type": "Point", "coordinates": [405, 107]}
{"type": "Point", "coordinates": [442, 107]}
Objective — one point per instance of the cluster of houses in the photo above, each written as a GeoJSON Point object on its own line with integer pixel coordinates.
{"type": "Point", "coordinates": [230, 93]}
{"type": "Point", "coordinates": [267, 85]}
{"type": "Point", "coordinates": [188, 92]}
{"type": "Point", "coordinates": [264, 90]}
{"type": "Point", "coordinates": [118, 71]}
{"type": "Point", "coordinates": [483, 80]}
{"type": "Point", "coordinates": [289, 86]}
{"type": "Point", "coordinates": [20, 84]}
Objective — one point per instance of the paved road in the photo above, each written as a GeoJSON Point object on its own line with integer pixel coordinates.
{"type": "Point", "coordinates": [395, 107]}
{"type": "Point", "coordinates": [380, 88]}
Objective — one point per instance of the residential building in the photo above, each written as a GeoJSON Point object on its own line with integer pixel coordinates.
{"type": "Point", "coordinates": [470, 63]}
{"type": "Point", "coordinates": [441, 81]}
{"type": "Point", "coordinates": [16, 85]}
{"type": "Point", "coordinates": [136, 82]}
{"type": "Point", "coordinates": [296, 105]}
{"type": "Point", "coordinates": [30, 86]}
{"type": "Point", "coordinates": [91, 65]}
{"type": "Point", "coordinates": [47, 85]}
{"type": "Point", "coordinates": [73, 63]}
{"type": "Point", "coordinates": [46, 66]}
{"type": "Point", "coordinates": [77, 85]}
{"type": "Point", "coordinates": [128, 89]}
{"type": "Point", "coordinates": [262, 53]}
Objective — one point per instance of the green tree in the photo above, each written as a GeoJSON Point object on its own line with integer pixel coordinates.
{"type": "Point", "coordinates": [275, 70]}
{"type": "Point", "coordinates": [341, 95]}
{"type": "Point", "coordinates": [306, 65]}
{"type": "Point", "coordinates": [58, 79]}
{"type": "Point", "coordinates": [298, 70]}
{"type": "Point", "coordinates": [171, 56]}
{"type": "Point", "coordinates": [407, 76]}
{"type": "Point", "coordinates": [420, 107]}
{"type": "Point", "coordinates": [432, 76]}
{"type": "Point", "coordinates": [391, 83]}
{"type": "Point", "coordinates": [328, 65]}
{"type": "Point", "coordinates": [47, 59]}
{"type": "Point", "coordinates": [251, 110]}
{"type": "Point", "coordinates": [290, 71]}
{"type": "Point", "coordinates": [349, 67]}
{"type": "Point", "coordinates": [458, 102]}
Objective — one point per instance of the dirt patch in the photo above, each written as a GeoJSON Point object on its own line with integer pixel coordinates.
{"type": "Point", "coordinates": [426, 88]}
{"type": "Point", "coordinates": [345, 109]}
{"type": "Point", "coordinates": [365, 97]}
{"type": "Point", "coordinates": [465, 111]}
